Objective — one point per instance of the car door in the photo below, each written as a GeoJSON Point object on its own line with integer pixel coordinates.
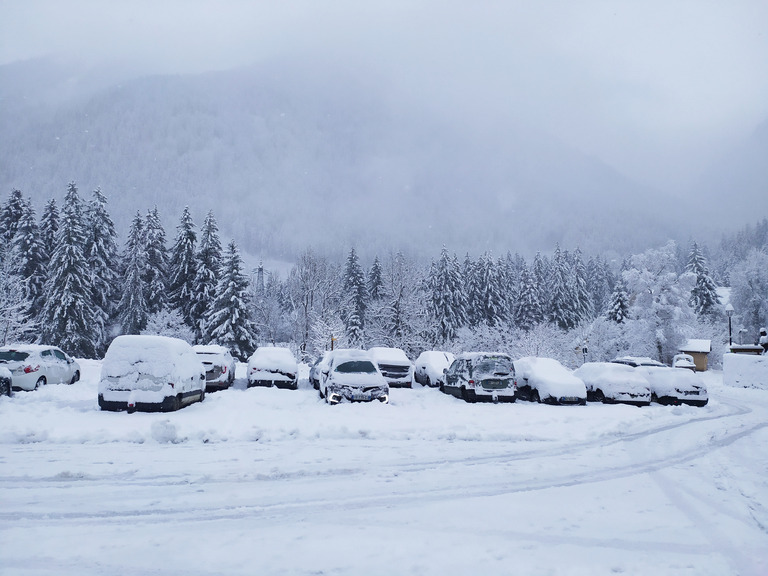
{"type": "Point", "coordinates": [64, 366]}
{"type": "Point", "coordinates": [49, 367]}
{"type": "Point", "coordinates": [453, 374]}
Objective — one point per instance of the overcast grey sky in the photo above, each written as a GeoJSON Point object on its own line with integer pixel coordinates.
{"type": "Point", "coordinates": [655, 88]}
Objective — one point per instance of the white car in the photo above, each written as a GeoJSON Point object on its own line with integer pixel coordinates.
{"type": "Point", "coordinates": [150, 373]}
{"type": "Point", "coordinates": [394, 366]}
{"type": "Point", "coordinates": [670, 385]}
{"type": "Point", "coordinates": [430, 367]}
{"type": "Point", "coordinates": [219, 365]}
{"type": "Point", "coordinates": [610, 383]}
{"type": "Point", "coordinates": [481, 377]}
{"type": "Point", "coordinates": [352, 376]}
{"type": "Point", "coordinates": [273, 366]}
{"type": "Point", "coordinates": [34, 365]}
{"type": "Point", "coordinates": [546, 380]}
{"type": "Point", "coordinates": [317, 369]}
{"type": "Point", "coordinates": [684, 361]}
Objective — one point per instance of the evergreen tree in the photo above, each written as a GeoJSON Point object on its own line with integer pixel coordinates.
{"type": "Point", "coordinates": [618, 310]}
{"type": "Point", "coordinates": [375, 282]}
{"type": "Point", "coordinates": [561, 306]}
{"type": "Point", "coordinates": [15, 323]}
{"type": "Point", "coordinates": [206, 278]}
{"type": "Point", "coordinates": [101, 253]}
{"type": "Point", "coordinates": [704, 298]}
{"type": "Point", "coordinates": [29, 261]}
{"type": "Point", "coordinates": [540, 272]}
{"type": "Point", "coordinates": [49, 227]}
{"type": "Point", "coordinates": [230, 324]}
{"type": "Point", "coordinates": [472, 291]}
{"type": "Point", "coordinates": [133, 308]}
{"type": "Point", "coordinates": [69, 309]}
{"type": "Point", "coordinates": [446, 297]}
{"type": "Point", "coordinates": [356, 300]}
{"type": "Point", "coordinates": [10, 214]}
{"type": "Point", "coordinates": [156, 265]}
{"type": "Point", "coordinates": [528, 312]}
{"type": "Point", "coordinates": [583, 303]}
{"type": "Point", "coordinates": [183, 267]}
{"type": "Point", "coordinates": [491, 305]}
{"type": "Point", "coordinates": [600, 283]}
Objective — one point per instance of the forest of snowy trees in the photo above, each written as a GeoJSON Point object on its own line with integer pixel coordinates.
{"type": "Point", "coordinates": [66, 280]}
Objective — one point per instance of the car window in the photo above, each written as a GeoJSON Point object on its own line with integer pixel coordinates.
{"type": "Point", "coordinates": [494, 365]}
{"type": "Point", "coordinates": [46, 354]}
{"type": "Point", "coordinates": [356, 367]}
{"type": "Point", "coordinates": [13, 356]}
{"type": "Point", "coordinates": [60, 355]}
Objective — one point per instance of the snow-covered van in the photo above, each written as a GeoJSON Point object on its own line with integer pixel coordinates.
{"type": "Point", "coordinates": [481, 376]}
{"type": "Point", "coordinates": [393, 365]}
{"type": "Point", "coordinates": [546, 380]}
{"type": "Point", "coordinates": [273, 366]}
{"type": "Point", "coordinates": [150, 373]}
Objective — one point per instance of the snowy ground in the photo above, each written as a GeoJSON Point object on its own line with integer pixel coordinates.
{"type": "Point", "coordinates": [267, 481]}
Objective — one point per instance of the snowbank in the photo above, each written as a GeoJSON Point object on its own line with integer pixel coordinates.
{"type": "Point", "coordinates": [745, 371]}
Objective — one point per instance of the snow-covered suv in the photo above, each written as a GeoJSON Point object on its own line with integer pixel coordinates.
{"type": "Point", "coordinates": [481, 376]}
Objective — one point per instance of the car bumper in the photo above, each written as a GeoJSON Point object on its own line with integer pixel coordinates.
{"type": "Point", "coordinates": [336, 395]}
{"type": "Point", "coordinates": [166, 405]}
{"type": "Point", "coordinates": [284, 384]}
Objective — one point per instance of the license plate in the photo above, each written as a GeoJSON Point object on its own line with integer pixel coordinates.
{"type": "Point", "coordinates": [361, 396]}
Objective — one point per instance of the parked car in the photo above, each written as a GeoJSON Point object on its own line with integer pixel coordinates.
{"type": "Point", "coordinates": [273, 366]}
{"type": "Point", "coordinates": [352, 375]}
{"type": "Point", "coordinates": [34, 365]}
{"type": "Point", "coordinates": [684, 361]}
{"type": "Point", "coordinates": [430, 367]}
{"type": "Point", "coordinates": [6, 382]}
{"type": "Point", "coordinates": [670, 385]}
{"type": "Point", "coordinates": [394, 366]}
{"type": "Point", "coordinates": [150, 373]}
{"type": "Point", "coordinates": [219, 366]}
{"type": "Point", "coordinates": [546, 380]}
{"type": "Point", "coordinates": [481, 376]}
{"type": "Point", "coordinates": [316, 370]}
{"type": "Point", "coordinates": [611, 382]}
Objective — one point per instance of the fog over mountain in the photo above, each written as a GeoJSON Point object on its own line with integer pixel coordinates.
{"type": "Point", "coordinates": [397, 128]}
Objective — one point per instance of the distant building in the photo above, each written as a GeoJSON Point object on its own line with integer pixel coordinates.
{"type": "Point", "coordinates": [700, 350]}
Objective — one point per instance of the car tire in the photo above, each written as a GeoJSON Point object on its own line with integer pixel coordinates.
{"type": "Point", "coordinates": [202, 395]}
{"type": "Point", "coordinates": [75, 377]}
{"type": "Point", "coordinates": [535, 396]}
{"type": "Point", "coordinates": [465, 395]}
{"type": "Point", "coordinates": [40, 382]}
{"type": "Point", "coordinates": [6, 388]}
{"type": "Point", "coordinates": [599, 396]}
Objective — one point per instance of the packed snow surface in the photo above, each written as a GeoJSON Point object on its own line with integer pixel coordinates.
{"type": "Point", "coordinates": [549, 377]}
{"type": "Point", "coordinates": [276, 482]}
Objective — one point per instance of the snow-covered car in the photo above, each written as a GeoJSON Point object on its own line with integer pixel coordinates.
{"type": "Point", "coordinates": [317, 369]}
{"type": "Point", "coordinates": [6, 382]}
{"type": "Point", "coordinates": [219, 365]}
{"type": "Point", "coordinates": [481, 376]}
{"type": "Point", "coordinates": [273, 366]}
{"type": "Point", "coordinates": [611, 382]}
{"type": "Point", "coordinates": [150, 373]}
{"type": "Point", "coordinates": [393, 365]}
{"type": "Point", "coordinates": [684, 361]}
{"type": "Point", "coordinates": [352, 375]}
{"type": "Point", "coordinates": [34, 365]}
{"type": "Point", "coordinates": [546, 380]}
{"type": "Point", "coordinates": [669, 385]}
{"type": "Point", "coordinates": [430, 367]}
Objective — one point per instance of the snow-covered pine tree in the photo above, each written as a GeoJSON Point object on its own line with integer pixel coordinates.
{"type": "Point", "coordinates": [49, 227]}
{"type": "Point", "coordinates": [133, 310]}
{"type": "Point", "coordinates": [156, 266]}
{"type": "Point", "coordinates": [230, 324]}
{"type": "Point", "coordinates": [101, 253]}
{"type": "Point", "coordinates": [704, 298]}
{"type": "Point", "coordinates": [15, 322]}
{"type": "Point", "coordinates": [528, 312]}
{"type": "Point", "coordinates": [618, 309]}
{"type": "Point", "coordinates": [10, 214]}
{"type": "Point", "coordinates": [69, 311]}
{"type": "Point", "coordinates": [490, 293]}
{"type": "Point", "coordinates": [375, 282]}
{"type": "Point", "coordinates": [206, 278]}
{"type": "Point", "coordinates": [562, 300]}
{"type": "Point", "coordinates": [540, 274]}
{"type": "Point", "coordinates": [600, 282]}
{"type": "Point", "coordinates": [356, 300]}
{"type": "Point", "coordinates": [471, 277]}
{"type": "Point", "coordinates": [28, 261]}
{"type": "Point", "coordinates": [583, 303]}
{"type": "Point", "coordinates": [446, 298]}
{"type": "Point", "coordinates": [183, 267]}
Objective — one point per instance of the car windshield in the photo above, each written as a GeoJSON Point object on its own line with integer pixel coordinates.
{"type": "Point", "coordinates": [356, 367]}
{"type": "Point", "coordinates": [13, 356]}
{"type": "Point", "coordinates": [498, 366]}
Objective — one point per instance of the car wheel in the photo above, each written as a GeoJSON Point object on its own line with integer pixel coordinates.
{"type": "Point", "coordinates": [427, 381]}
{"type": "Point", "coordinates": [535, 396]}
{"type": "Point", "coordinates": [599, 396]}
{"type": "Point", "coordinates": [75, 377]}
{"type": "Point", "coordinates": [202, 395]}
{"type": "Point", "coordinates": [465, 395]}
{"type": "Point", "coordinates": [40, 382]}
{"type": "Point", "coordinates": [5, 389]}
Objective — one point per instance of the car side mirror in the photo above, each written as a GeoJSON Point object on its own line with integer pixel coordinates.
{"type": "Point", "coordinates": [202, 376]}
{"type": "Point", "coordinates": [445, 370]}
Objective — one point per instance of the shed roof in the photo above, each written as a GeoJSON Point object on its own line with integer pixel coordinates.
{"type": "Point", "coordinates": [693, 345]}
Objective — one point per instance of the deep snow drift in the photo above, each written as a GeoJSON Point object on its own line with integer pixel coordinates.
{"type": "Point", "coordinates": [268, 481]}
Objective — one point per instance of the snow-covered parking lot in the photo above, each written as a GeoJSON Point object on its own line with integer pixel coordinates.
{"type": "Point", "coordinates": [267, 481]}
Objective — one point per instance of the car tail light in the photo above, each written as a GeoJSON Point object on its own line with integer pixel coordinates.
{"type": "Point", "coordinates": [471, 382]}
{"type": "Point", "coordinates": [29, 369]}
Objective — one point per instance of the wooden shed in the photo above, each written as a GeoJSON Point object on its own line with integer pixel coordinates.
{"type": "Point", "coordinates": [700, 350]}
